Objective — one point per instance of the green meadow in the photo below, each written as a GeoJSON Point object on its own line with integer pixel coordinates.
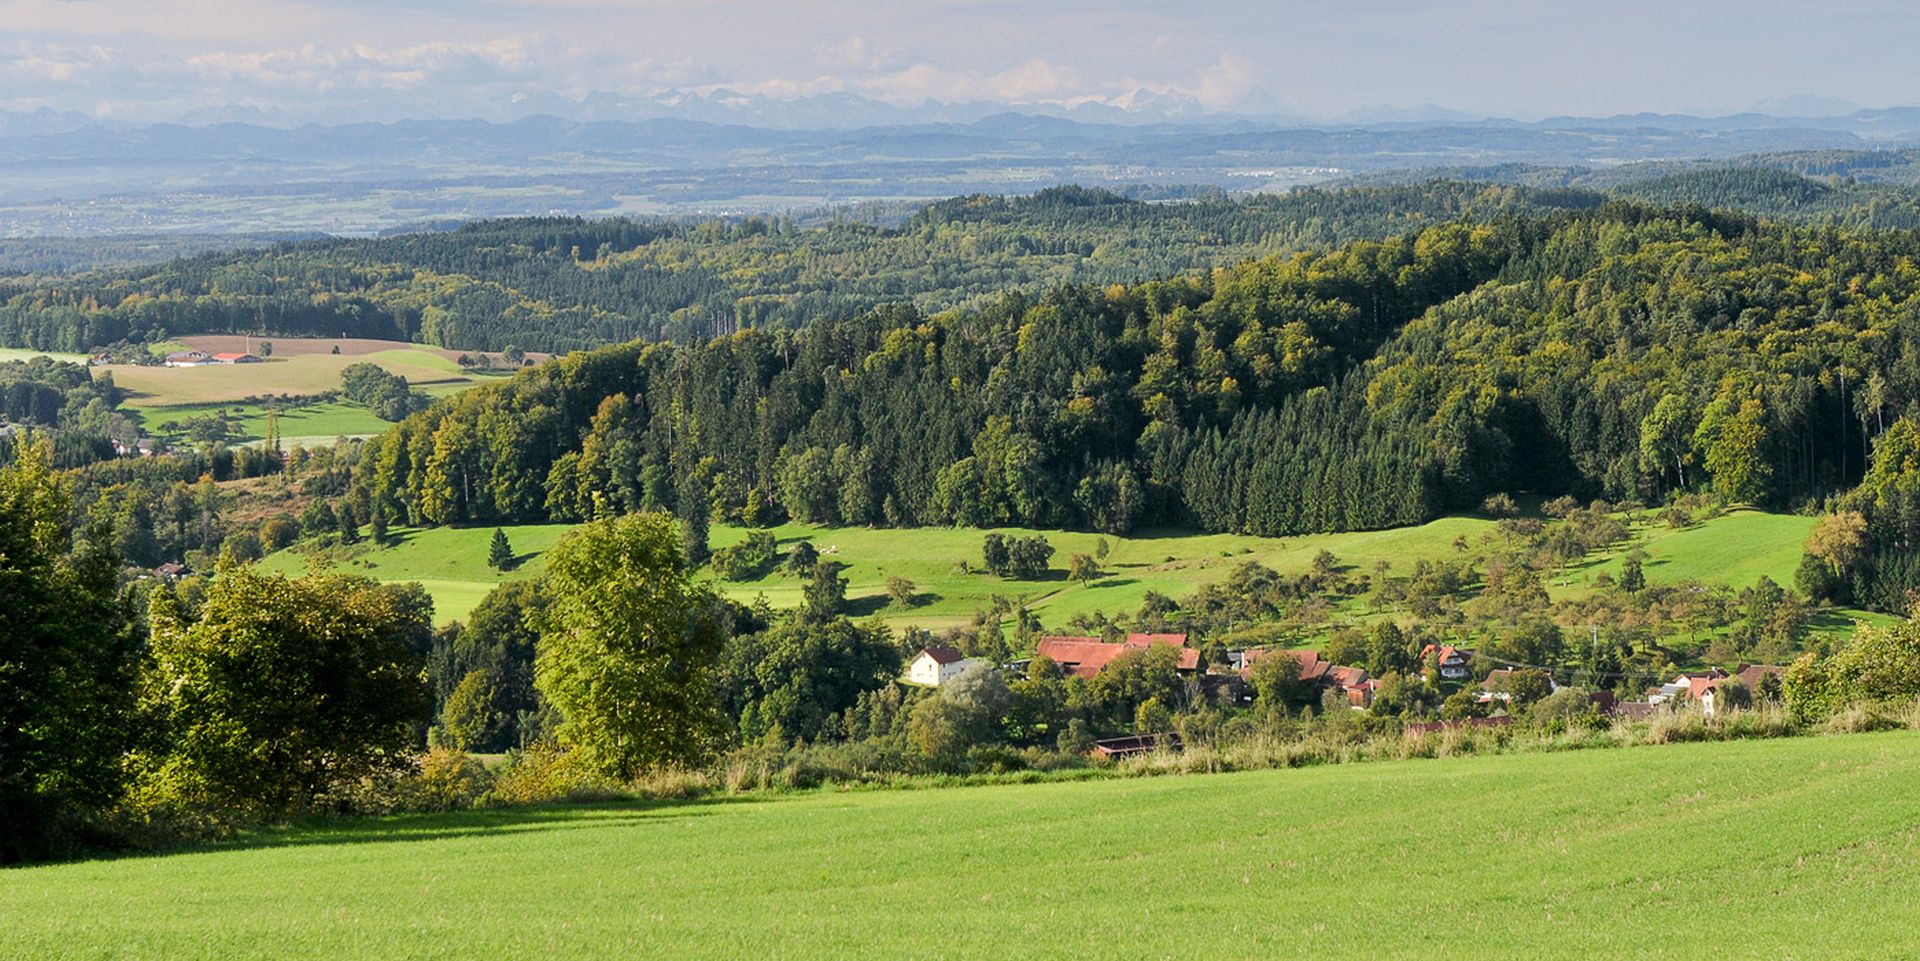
{"type": "Point", "coordinates": [451, 562]}
{"type": "Point", "coordinates": [1735, 549]}
{"type": "Point", "coordinates": [1796, 848]}
{"type": "Point", "coordinates": [12, 354]}
{"type": "Point", "coordinates": [308, 425]}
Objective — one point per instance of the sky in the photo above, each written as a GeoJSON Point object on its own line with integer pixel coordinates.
{"type": "Point", "coordinates": [151, 60]}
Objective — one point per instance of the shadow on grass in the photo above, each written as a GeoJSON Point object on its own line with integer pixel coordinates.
{"type": "Point", "coordinates": [1831, 620]}
{"type": "Point", "coordinates": [867, 606]}
{"type": "Point", "coordinates": [453, 825]}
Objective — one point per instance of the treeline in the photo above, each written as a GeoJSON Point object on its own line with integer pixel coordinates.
{"type": "Point", "coordinates": [562, 284]}
{"type": "Point", "coordinates": [1787, 195]}
{"type": "Point", "coordinates": [63, 401]}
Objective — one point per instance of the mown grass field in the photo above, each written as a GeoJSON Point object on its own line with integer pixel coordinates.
{"type": "Point", "coordinates": [160, 387]}
{"type": "Point", "coordinates": [1735, 549]}
{"type": "Point", "coordinates": [1799, 848]}
{"type": "Point", "coordinates": [308, 425]}
{"type": "Point", "coordinates": [298, 367]}
{"type": "Point", "coordinates": [452, 562]}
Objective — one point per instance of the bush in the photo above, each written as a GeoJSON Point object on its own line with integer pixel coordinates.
{"type": "Point", "coordinates": [748, 560]}
{"type": "Point", "coordinates": [544, 775]}
{"type": "Point", "coordinates": [1499, 506]}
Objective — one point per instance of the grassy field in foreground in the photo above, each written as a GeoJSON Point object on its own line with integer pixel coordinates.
{"type": "Point", "coordinates": [1735, 549]}
{"type": "Point", "coordinates": [1799, 848]}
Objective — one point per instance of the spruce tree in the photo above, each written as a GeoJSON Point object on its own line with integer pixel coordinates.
{"type": "Point", "coordinates": [500, 553]}
{"type": "Point", "coordinates": [349, 526]}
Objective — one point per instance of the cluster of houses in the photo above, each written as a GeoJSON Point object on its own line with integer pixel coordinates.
{"type": "Point", "coordinates": [1086, 657]}
{"type": "Point", "coordinates": [200, 358]}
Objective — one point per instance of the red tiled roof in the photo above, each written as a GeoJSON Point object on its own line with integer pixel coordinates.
{"type": "Point", "coordinates": [1752, 674]}
{"type": "Point", "coordinates": [229, 356]}
{"type": "Point", "coordinates": [1447, 652]}
{"type": "Point", "coordinates": [943, 655]}
{"type": "Point", "coordinates": [1088, 656]}
{"type": "Point", "coordinates": [1312, 668]}
{"type": "Point", "coordinates": [1177, 640]}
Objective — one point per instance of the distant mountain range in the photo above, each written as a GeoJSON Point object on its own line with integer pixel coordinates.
{"type": "Point", "coordinates": [716, 153]}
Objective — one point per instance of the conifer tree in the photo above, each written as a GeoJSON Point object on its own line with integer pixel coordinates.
{"type": "Point", "coordinates": [500, 552]}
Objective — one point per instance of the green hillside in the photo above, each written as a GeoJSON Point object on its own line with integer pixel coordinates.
{"type": "Point", "coordinates": [452, 563]}
{"type": "Point", "coordinates": [1790, 848]}
{"type": "Point", "coordinates": [1735, 549]}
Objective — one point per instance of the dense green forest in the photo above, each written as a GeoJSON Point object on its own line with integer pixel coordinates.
{"type": "Point", "coordinates": [1624, 352]}
{"type": "Point", "coordinates": [562, 284]}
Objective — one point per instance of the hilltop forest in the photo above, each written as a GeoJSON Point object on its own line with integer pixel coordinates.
{"type": "Point", "coordinates": [1623, 352]}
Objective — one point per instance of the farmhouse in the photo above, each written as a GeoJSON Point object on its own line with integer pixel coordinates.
{"type": "Point", "coordinates": [236, 359]}
{"type": "Point", "coordinates": [1352, 682]}
{"type": "Point", "coordinates": [1687, 686]}
{"type": "Point", "coordinates": [1755, 676]}
{"type": "Point", "coordinates": [936, 665]}
{"type": "Point", "coordinates": [190, 358]}
{"type": "Point", "coordinates": [1452, 660]}
{"type": "Point", "coordinates": [1088, 656]}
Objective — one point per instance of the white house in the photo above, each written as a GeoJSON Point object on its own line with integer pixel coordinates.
{"type": "Point", "coordinates": [936, 665]}
{"type": "Point", "coordinates": [1454, 662]}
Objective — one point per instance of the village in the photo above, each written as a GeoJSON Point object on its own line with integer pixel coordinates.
{"type": "Point", "coordinates": [1497, 693]}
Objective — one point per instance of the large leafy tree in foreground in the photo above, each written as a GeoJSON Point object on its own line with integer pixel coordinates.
{"type": "Point", "coordinates": [66, 665]}
{"type": "Point", "coordinates": [628, 647]}
{"type": "Point", "coordinates": [284, 689]}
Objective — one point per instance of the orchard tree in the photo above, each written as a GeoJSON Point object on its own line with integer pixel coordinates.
{"type": "Point", "coordinates": [801, 558]}
{"type": "Point", "coordinates": [627, 647]}
{"type": "Point", "coordinates": [1082, 569]}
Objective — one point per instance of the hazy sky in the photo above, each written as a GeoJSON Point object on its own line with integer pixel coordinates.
{"type": "Point", "coordinates": [159, 59]}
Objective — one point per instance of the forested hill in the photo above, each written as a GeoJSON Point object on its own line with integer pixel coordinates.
{"type": "Point", "coordinates": [1623, 352]}
{"type": "Point", "coordinates": [561, 284]}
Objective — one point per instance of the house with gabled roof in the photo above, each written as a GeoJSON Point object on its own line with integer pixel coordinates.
{"type": "Point", "coordinates": [938, 664]}
{"type": "Point", "coordinates": [1454, 661]}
